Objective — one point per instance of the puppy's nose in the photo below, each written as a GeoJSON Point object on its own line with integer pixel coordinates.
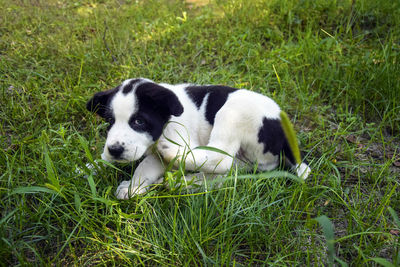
{"type": "Point", "coordinates": [115, 150]}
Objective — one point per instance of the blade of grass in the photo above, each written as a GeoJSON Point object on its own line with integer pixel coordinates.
{"type": "Point", "coordinates": [327, 229]}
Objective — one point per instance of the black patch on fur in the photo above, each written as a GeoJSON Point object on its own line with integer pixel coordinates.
{"type": "Point", "coordinates": [100, 103]}
{"type": "Point", "coordinates": [129, 87]}
{"type": "Point", "coordinates": [217, 95]}
{"type": "Point", "coordinates": [156, 106]}
{"type": "Point", "coordinates": [197, 94]}
{"type": "Point", "coordinates": [272, 136]}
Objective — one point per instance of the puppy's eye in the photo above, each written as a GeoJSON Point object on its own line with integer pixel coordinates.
{"type": "Point", "coordinates": [138, 122]}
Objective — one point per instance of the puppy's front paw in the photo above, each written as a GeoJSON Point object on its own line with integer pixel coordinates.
{"type": "Point", "coordinates": [126, 190]}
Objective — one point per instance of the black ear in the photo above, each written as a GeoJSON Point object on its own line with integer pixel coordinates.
{"type": "Point", "coordinates": [99, 102]}
{"type": "Point", "coordinates": [162, 98]}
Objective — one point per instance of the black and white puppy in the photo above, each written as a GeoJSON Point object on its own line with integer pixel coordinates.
{"type": "Point", "coordinates": [146, 119]}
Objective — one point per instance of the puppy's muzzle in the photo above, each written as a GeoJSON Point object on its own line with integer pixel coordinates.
{"type": "Point", "coordinates": [115, 150]}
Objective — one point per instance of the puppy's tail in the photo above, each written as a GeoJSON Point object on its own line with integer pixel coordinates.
{"type": "Point", "coordinates": [301, 168]}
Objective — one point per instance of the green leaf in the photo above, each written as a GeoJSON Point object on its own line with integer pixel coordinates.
{"type": "Point", "coordinates": [85, 146]}
{"type": "Point", "coordinates": [209, 148]}
{"type": "Point", "coordinates": [56, 189]}
{"type": "Point", "coordinates": [92, 186]}
{"type": "Point", "coordinates": [78, 203]}
{"type": "Point", "coordinates": [327, 229]}
{"type": "Point", "coordinates": [32, 190]}
{"type": "Point", "coordinates": [342, 263]}
{"type": "Point", "coordinates": [383, 262]}
{"type": "Point", "coordinates": [290, 136]}
{"type": "Point", "coordinates": [395, 217]}
{"type": "Point", "coordinates": [5, 218]}
{"type": "Point", "coordinates": [51, 173]}
{"type": "Point", "coordinates": [258, 177]}
{"type": "Point", "coordinates": [106, 201]}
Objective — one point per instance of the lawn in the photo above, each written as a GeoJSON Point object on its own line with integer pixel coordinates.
{"type": "Point", "coordinates": [333, 66]}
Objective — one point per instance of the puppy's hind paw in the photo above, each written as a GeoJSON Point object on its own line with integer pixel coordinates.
{"type": "Point", "coordinates": [302, 170]}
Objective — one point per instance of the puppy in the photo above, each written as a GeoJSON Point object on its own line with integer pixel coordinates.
{"type": "Point", "coordinates": [152, 120]}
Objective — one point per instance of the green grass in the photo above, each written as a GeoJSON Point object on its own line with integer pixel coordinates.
{"type": "Point", "coordinates": [332, 65]}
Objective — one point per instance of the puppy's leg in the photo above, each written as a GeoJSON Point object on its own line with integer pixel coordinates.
{"type": "Point", "coordinates": [209, 161]}
{"type": "Point", "coordinates": [226, 137]}
{"type": "Point", "coordinates": [148, 172]}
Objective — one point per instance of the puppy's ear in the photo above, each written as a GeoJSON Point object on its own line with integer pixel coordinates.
{"type": "Point", "coordinates": [163, 99]}
{"type": "Point", "coordinates": [99, 102]}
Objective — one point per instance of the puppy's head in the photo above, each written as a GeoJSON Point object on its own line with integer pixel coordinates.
{"type": "Point", "coordinates": [136, 111]}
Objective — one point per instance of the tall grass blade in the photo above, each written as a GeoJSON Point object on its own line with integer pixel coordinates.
{"type": "Point", "coordinates": [327, 229]}
{"type": "Point", "coordinates": [84, 144]}
{"type": "Point", "coordinates": [92, 186]}
{"type": "Point", "coordinates": [6, 217]}
{"type": "Point", "coordinates": [290, 136]}
{"type": "Point", "coordinates": [51, 173]}
{"type": "Point", "coordinates": [78, 203]}
{"type": "Point", "coordinates": [383, 262]}
{"type": "Point", "coordinates": [213, 149]}
{"type": "Point", "coordinates": [394, 216]}
{"type": "Point", "coordinates": [32, 190]}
